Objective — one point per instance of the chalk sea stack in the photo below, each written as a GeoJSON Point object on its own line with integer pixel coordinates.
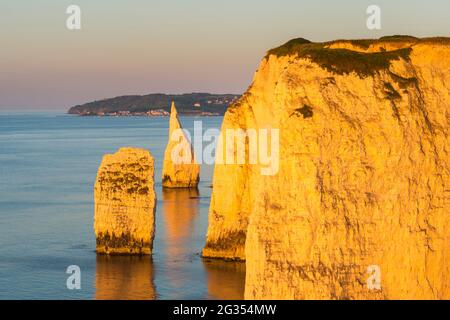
{"type": "Point", "coordinates": [363, 176]}
{"type": "Point", "coordinates": [180, 169]}
{"type": "Point", "coordinates": [125, 203]}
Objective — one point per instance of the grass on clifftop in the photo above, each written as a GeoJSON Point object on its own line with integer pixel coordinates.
{"type": "Point", "coordinates": [288, 47]}
{"type": "Point", "coordinates": [344, 61]}
{"type": "Point", "coordinates": [399, 37]}
{"type": "Point", "coordinates": [365, 43]}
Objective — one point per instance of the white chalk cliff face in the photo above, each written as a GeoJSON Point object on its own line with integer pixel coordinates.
{"type": "Point", "coordinates": [363, 181]}
{"type": "Point", "coordinates": [180, 169]}
{"type": "Point", "coordinates": [125, 203]}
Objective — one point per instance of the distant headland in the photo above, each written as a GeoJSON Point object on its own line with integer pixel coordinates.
{"type": "Point", "coordinates": [189, 104]}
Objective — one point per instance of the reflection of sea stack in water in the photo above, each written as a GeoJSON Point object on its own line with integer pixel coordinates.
{"type": "Point", "coordinates": [123, 278]}
{"type": "Point", "coordinates": [225, 279]}
{"type": "Point", "coordinates": [180, 169]}
{"type": "Point", "coordinates": [125, 203]}
{"type": "Point", "coordinates": [180, 209]}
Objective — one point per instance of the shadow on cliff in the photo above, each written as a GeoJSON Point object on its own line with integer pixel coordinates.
{"type": "Point", "coordinates": [124, 278]}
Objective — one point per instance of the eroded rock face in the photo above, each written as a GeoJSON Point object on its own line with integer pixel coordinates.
{"type": "Point", "coordinates": [363, 177]}
{"type": "Point", "coordinates": [230, 200]}
{"type": "Point", "coordinates": [125, 203]}
{"type": "Point", "coordinates": [180, 169]}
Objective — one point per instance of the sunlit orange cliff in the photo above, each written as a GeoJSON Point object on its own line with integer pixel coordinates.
{"type": "Point", "coordinates": [363, 181]}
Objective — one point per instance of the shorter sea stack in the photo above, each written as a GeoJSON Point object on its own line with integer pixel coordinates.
{"type": "Point", "coordinates": [180, 170]}
{"type": "Point", "coordinates": [125, 203]}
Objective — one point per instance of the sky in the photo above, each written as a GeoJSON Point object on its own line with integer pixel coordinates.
{"type": "Point", "coordinates": [168, 46]}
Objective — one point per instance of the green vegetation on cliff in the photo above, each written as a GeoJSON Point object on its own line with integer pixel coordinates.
{"type": "Point", "coordinates": [339, 60]}
{"type": "Point", "coordinates": [344, 61]}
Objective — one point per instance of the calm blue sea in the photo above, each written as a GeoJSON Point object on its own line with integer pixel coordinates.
{"type": "Point", "coordinates": [48, 165]}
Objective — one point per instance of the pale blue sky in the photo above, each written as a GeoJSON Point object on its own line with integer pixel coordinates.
{"type": "Point", "coordinates": [145, 46]}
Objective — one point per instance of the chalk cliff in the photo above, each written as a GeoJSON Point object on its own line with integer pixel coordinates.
{"type": "Point", "coordinates": [362, 190]}
{"type": "Point", "coordinates": [125, 203]}
{"type": "Point", "coordinates": [180, 169]}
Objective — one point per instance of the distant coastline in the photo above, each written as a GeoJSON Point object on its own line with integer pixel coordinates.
{"type": "Point", "coordinates": [157, 105]}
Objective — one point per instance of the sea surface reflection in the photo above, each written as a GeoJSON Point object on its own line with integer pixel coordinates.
{"type": "Point", "coordinates": [124, 277]}
{"type": "Point", "coordinates": [180, 209]}
{"type": "Point", "coordinates": [48, 165]}
{"type": "Point", "coordinates": [225, 279]}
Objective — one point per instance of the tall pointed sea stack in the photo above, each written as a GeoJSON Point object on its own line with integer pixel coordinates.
{"type": "Point", "coordinates": [125, 203]}
{"type": "Point", "coordinates": [359, 208]}
{"type": "Point", "coordinates": [180, 169]}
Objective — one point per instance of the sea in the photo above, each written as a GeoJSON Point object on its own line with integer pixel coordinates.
{"type": "Point", "coordinates": [48, 166]}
